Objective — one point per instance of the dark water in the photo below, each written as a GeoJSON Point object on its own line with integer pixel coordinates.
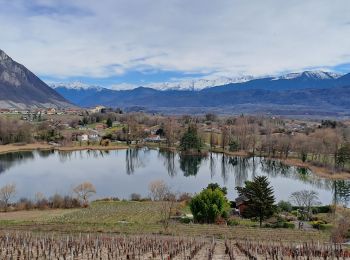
{"type": "Point", "coordinates": [122, 172]}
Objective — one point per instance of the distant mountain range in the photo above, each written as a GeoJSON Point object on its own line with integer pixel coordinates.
{"type": "Point", "coordinates": [307, 93]}
{"type": "Point", "coordinates": [20, 88]}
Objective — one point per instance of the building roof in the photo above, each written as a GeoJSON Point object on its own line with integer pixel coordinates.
{"type": "Point", "coordinates": [241, 200]}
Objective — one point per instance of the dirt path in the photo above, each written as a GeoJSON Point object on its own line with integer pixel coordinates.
{"type": "Point", "coordinates": [219, 252]}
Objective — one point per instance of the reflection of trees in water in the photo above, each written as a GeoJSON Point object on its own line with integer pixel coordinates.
{"type": "Point", "coordinates": [83, 154]}
{"type": "Point", "coordinates": [341, 192]}
{"type": "Point", "coordinates": [241, 167]}
{"type": "Point", "coordinates": [8, 160]}
{"type": "Point", "coordinates": [224, 168]}
{"type": "Point", "coordinates": [212, 165]}
{"type": "Point", "coordinates": [190, 164]}
{"type": "Point", "coordinates": [273, 168]}
{"type": "Point", "coordinates": [45, 153]}
{"type": "Point", "coordinates": [242, 170]}
{"type": "Point", "coordinates": [169, 161]}
{"type": "Point", "coordinates": [97, 153]}
{"type": "Point", "coordinates": [65, 155]}
{"type": "Point", "coordinates": [134, 159]}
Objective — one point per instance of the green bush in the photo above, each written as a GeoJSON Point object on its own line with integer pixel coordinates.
{"type": "Point", "coordinates": [280, 224]}
{"type": "Point", "coordinates": [284, 206]}
{"type": "Point", "coordinates": [294, 212]}
{"type": "Point", "coordinates": [185, 220]}
{"type": "Point", "coordinates": [234, 146]}
{"type": "Point", "coordinates": [317, 224]}
{"type": "Point", "coordinates": [208, 205]}
{"type": "Point", "coordinates": [232, 222]}
{"type": "Point", "coordinates": [322, 209]}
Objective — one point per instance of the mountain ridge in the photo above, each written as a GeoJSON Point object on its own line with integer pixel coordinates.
{"type": "Point", "coordinates": [307, 91]}
{"type": "Point", "coordinates": [20, 88]}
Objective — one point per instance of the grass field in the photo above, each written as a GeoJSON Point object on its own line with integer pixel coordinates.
{"type": "Point", "coordinates": [138, 218]}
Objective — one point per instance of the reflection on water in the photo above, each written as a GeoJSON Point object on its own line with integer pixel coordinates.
{"type": "Point", "coordinates": [189, 164]}
{"type": "Point", "coordinates": [122, 172]}
{"type": "Point", "coordinates": [169, 161]}
{"type": "Point", "coordinates": [134, 159]}
{"type": "Point", "coordinates": [10, 159]}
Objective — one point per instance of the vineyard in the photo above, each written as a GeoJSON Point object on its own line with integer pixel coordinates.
{"type": "Point", "coordinates": [140, 218]}
{"type": "Point", "coordinates": [29, 245]}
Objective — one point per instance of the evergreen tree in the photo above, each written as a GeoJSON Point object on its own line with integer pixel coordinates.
{"type": "Point", "coordinates": [260, 198]}
{"type": "Point", "coordinates": [109, 123]}
{"type": "Point", "coordinates": [214, 186]}
{"type": "Point", "coordinates": [191, 141]}
{"type": "Point", "coordinates": [343, 156]}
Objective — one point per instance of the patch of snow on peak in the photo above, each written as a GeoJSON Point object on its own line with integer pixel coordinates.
{"type": "Point", "coordinates": [77, 85]}
{"type": "Point", "coordinates": [321, 75]}
{"type": "Point", "coordinates": [197, 84]}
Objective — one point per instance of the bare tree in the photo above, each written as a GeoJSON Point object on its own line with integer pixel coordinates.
{"type": "Point", "coordinates": [168, 205]}
{"type": "Point", "coordinates": [7, 192]}
{"type": "Point", "coordinates": [339, 232]}
{"type": "Point", "coordinates": [158, 190]}
{"type": "Point", "coordinates": [305, 199]}
{"type": "Point", "coordinates": [225, 137]}
{"type": "Point", "coordinates": [161, 192]}
{"type": "Point", "coordinates": [84, 191]}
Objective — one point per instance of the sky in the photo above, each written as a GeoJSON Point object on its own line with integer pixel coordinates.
{"type": "Point", "coordinates": [118, 43]}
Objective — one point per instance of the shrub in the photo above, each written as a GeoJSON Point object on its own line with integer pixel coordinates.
{"type": "Point", "coordinates": [284, 206]}
{"type": "Point", "coordinates": [69, 202]}
{"type": "Point", "coordinates": [208, 205]}
{"type": "Point", "coordinates": [42, 204]}
{"type": "Point", "coordinates": [322, 209]}
{"type": "Point", "coordinates": [186, 220]}
{"type": "Point", "coordinates": [135, 197]}
{"type": "Point", "coordinates": [185, 197]}
{"type": "Point", "coordinates": [234, 146]}
{"type": "Point", "coordinates": [24, 204]}
{"type": "Point", "coordinates": [317, 224]}
{"type": "Point", "coordinates": [56, 201]}
{"type": "Point", "coordinates": [232, 222]}
{"type": "Point", "coordinates": [280, 224]}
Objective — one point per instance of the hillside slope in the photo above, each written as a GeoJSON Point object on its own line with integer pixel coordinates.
{"type": "Point", "coordinates": [20, 88]}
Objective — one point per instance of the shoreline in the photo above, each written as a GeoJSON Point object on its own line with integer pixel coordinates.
{"type": "Point", "coordinates": [11, 148]}
{"type": "Point", "coordinates": [322, 172]}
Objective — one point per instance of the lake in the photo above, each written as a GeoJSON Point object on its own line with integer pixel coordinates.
{"type": "Point", "coordinates": [119, 173]}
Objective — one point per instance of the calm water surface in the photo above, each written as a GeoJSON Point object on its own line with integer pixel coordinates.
{"type": "Point", "coordinates": [122, 172]}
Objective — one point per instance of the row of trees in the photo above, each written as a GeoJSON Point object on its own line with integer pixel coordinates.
{"type": "Point", "coordinates": [327, 144]}
{"type": "Point", "coordinates": [14, 131]}
{"type": "Point", "coordinates": [83, 193]}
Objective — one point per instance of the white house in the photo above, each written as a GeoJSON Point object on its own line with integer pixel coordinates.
{"type": "Point", "coordinates": [83, 138]}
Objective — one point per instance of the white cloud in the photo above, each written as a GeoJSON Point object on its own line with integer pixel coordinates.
{"type": "Point", "coordinates": [229, 37]}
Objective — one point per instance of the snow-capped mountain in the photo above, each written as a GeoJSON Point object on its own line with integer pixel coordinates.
{"type": "Point", "coordinates": [307, 89]}
{"type": "Point", "coordinates": [318, 74]}
{"type": "Point", "coordinates": [77, 85]}
{"type": "Point", "coordinates": [198, 84]}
